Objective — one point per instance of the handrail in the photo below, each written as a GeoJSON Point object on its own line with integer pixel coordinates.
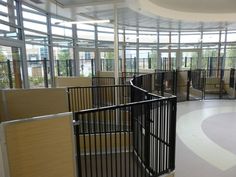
{"type": "Point", "coordinates": [129, 130]}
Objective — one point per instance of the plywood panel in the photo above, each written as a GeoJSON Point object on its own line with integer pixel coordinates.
{"type": "Point", "coordinates": [106, 74]}
{"type": "Point", "coordinates": [73, 81]}
{"type": "Point", "coordinates": [1, 106]}
{"type": "Point", "coordinates": [2, 170]}
{"type": "Point", "coordinates": [25, 103]}
{"type": "Point", "coordinates": [41, 147]}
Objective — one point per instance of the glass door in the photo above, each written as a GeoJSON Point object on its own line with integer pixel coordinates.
{"type": "Point", "coordinates": [107, 60]}
{"type": "Point", "coordinates": [10, 67]}
{"type": "Point", "coordinates": [87, 67]}
{"type": "Point", "coordinates": [168, 60]}
{"type": "Point", "coordinates": [189, 59]}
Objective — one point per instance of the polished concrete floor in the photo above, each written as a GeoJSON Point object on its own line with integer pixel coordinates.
{"type": "Point", "coordinates": [206, 139]}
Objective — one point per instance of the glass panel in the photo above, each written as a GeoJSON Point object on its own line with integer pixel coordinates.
{"type": "Point", "coordinates": [86, 63]}
{"type": "Point", "coordinates": [190, 38]}
{"type": "Point", "coordinates": [189, 60]}
{"type": "Point", "coordinates": [61, 31]}
{"type": "Point", "coordinates": [130, 60]}
{"type": "Point", "coordinates": [85, 27]}
{"type": "Point", "coordinates": [131, 38]}
{"type": "Point", "coordinates": [107, 61]}
{"type": "Point", "coordinates": [9, 32]}
{"type": "Point", "coordinates": [36, 37]}
{"type": "Point", "coordinates": [164, 37]}
{"type": "Point", "coordinates": [86, 35]}
{"type": "Point", "coordinates": [210, 37]}
{"type": "Point", "coordinates": [35, 17]}
{"type": "Point", "coordinates": [100, 29]}
{"type": "Point", "coordinates": [63, 59]}
{"type": "Point", "coordinates": [209, 60]}
{"type": "Point", "coordinates": [230, 60]}
{"type": "Point", "coordinates": [147, 59]}
{"type": "Point", "coordinates": [105, 37]}
{"type": "Point", "coordinates": [35, 26]}
{"type": "Point", "coordinates": [10, 67]}
{"type": "Point", "coordinates": [60, 23]}
{"type": "Point", "coordinates": [38, 65]}
{"type": "Point", "coordinates": [231, 37]}
{"type": "Point", "coordinates": [62, 41]}
{"type": "Point", "coordinates": [83, 43]}
{"type": "Point", "coordinates": [148, 38]}
{"type": "Point", "coordinates": [168, 60]}
{"type": "Point", "coordinates": [174, 38]}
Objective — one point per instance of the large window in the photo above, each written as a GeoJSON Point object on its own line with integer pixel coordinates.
{"type": "Point", "coordinates": [50, 41]}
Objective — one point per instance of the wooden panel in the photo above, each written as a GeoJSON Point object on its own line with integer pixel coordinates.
{"type": "Point", "coordinates": [182, 78]}
{"type": "Point", "coordinates": [25, 103]}
{"type": "Point", "coordinates": [106, 74]}
{"type": "Point", "coordinates": [41, 147]}
{"type": "Point", "coordinates": [2, 170]}
{"type": "Point", "coordinates": [73, 81]}
{"type": "Point", "coordinates": [1, 106]}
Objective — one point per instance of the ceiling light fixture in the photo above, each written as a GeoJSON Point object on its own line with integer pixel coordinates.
{"type": "Point", "coordinates": [85, 22]}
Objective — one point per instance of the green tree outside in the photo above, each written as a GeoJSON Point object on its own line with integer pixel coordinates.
{"type": "Point", "coordinates": [63, 57]}
{"type": "Point", "coordinates": [3, 71]}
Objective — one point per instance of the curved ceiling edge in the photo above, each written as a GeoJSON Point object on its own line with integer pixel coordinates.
{"type": "Point", "coordinates": [152, 9]}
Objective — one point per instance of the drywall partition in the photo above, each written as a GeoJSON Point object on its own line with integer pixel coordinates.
{"type": "Point", "coordinates": [73, 81]}
{"type": "Point", "coordinates": [23, 103]}
{"type": "Point", "coordinates": [46, 149]}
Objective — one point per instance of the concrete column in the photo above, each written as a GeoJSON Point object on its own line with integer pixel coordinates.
{"type": "Point", "coordinates": [116, 47]}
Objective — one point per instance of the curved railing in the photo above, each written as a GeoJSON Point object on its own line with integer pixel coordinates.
{"type": "Point", "coordinates": [156, 125]}
{"type": "Point", "coordinates": [115, 138]}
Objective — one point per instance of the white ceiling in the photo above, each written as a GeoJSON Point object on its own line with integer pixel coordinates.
{"type": "Point", "coordinates": [150, 14]}
{"type": "Point", "coordinates": [199, 6]}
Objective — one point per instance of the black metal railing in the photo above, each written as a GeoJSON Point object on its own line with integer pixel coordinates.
{"type": "Point", "coordinates": [135, 137]}
{"type": "Point", "coordinates": [81, 98]}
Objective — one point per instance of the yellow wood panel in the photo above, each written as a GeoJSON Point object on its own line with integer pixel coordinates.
{"type": "Point", "coordinates": [1, 106]}
{"type": "Point", "coordinates": [2, 169]}
{"type": "Point", "coordinates": [81, 100]}
{"type": "Point", "coordinates": [182, 78]}
{"type": "Point", "coordinates": [35, 102]}
{"type": "Point", "coordinates": [106, 142]}
{"type": "Point", "coordinates": [73, 81]}
{"type": "Point", "coordinates": [106, 74]}
{"type": "Point", "coordinates": [41, 148]}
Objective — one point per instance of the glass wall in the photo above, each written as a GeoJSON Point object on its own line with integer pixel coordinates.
{"type": "Point", "coordinates": [55, 48]}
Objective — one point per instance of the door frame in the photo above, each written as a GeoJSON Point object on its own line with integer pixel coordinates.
{"type": "Point", "coordinates": [21, 45]}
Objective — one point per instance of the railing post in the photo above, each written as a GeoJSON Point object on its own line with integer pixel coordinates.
{"type": "Point", "coordinates": [92, 67]}
{"type": "Point", "coordinates": [174, 86]}
{"type": "Point", "coordinates": [76, 132]}
{"type": "Point", "coordinates": [204, 84]}
{"type": "Point", "coordinates": [162, 83]}
{"type": "Point", "coordinates": [67, 67]}
{"type": "Point", "coordinates": [9, 74]}
{"type": "Point", "coordinates": [45, 72]}
{"type": "Point", "coordinates": [147, 120]}
{"type": "Point", "coordinates": [172, 133]}
{"type": "Point", "coordinates": [58, 68]}
{"type": "Point", "coordinates": [221, 82]}
{"type": "Point", "coordinates": [70, 67]}
{"type": "Point", "coordinates": [188, 84]}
